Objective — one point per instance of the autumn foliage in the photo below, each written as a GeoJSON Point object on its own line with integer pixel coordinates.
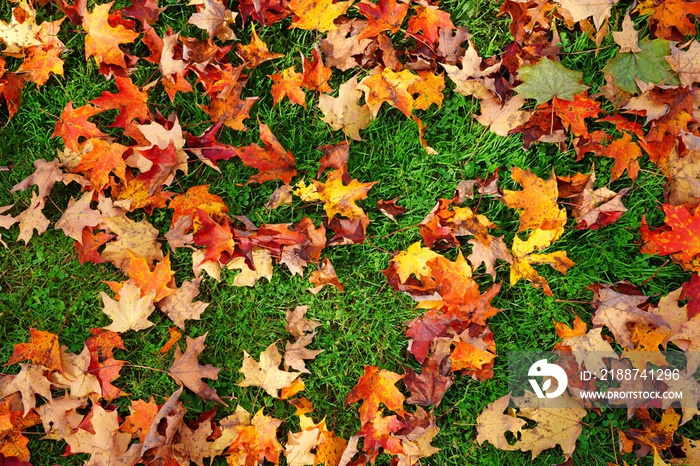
{"type": "Point", "coordinates": [406, 55]}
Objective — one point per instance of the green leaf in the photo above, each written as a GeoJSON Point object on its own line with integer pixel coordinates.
{"type": "Point", "coordinates": [548, 79]}
{"type": "Point", "coordinates": [648, 66]}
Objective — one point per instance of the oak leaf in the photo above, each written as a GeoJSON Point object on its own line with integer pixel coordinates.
{"type": "Point", "coordinates": [266, 374]}
{"type": "Point", "coordinates": [374, 387]}
{"type": "Point", "coordinates": [187, 371]}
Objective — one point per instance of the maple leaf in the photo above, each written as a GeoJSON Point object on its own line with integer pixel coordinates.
{"type": "Point", "coordinates": [492, 424]}
{"type": "Point", "coordinates": [197, 198]}
{"type": "Point", "coordinates": [537, 202]}
{"type": "Point", "coordinates": [139, 421]}
{"type": "Point", "coordinates": [73, 124]}
{"type": "Point", "coordinates": [615, 310]}
{"type": "Point", "coordinates": [649, 66]}
{"type": "Point", "coordinates": [342, 45]}
{"type": "Point", "coordinates": [137, 238]}
{"type": "Point", "coordinates": [548, 79]}
{"type": "Point", "coordinates": [429, 387]}
{"type": "Point", "coordinates": [471, 79]}
{"type": "Point", "coordinates": [343, 112]}
{"type": "Point", "coordinates": [101, 160]}
{"type": "Point", "coordinates": [316, 74]}
{"type": "Point", "coordinates": [502, 119]}
{"type": "Point", "coordinates": [262, 262]}
{"type": "Point", "coordinates": [273, 162]}
{"type": "Point", "coordinates": [297, 324]}
{"type": "Point", "coordinates": [677, 237]}
{"type": "Point", "coordinates": [231, 110]}
{"type": "Point", "coordinates": [215, 18]}
{"type": "Point", "coordinates": [87, 248]}
{"type": "Point", "coordinates": [32, 218]}
{"type": "Point", "coordinates": [387, 15]}
{"type": "Point", "coordinates": [41, 62]}
{"type": "Point", "coordinates": [581, 10]}
{"type": "Point", "coordinates": [255, 439]}
{"type": "Point", "coordinates": [428, 19]}
{"type": "Point", "coordinates": [288, 84]}
{"type": "Point", "coordinates": [656, 435]}
{"type": "Point", "coordinates": [216, 237]}
{"type": "Point", "coordinates": [266, 374]}
{"type": "Point", "coordinates": [669, 20]}
{"type": "Point", "coordinates": [574, 113]}
{"type": "Point", "coordinates": [77, 216]}
{"type": "Point", "coordinates": [76, 374]}
{"type": "Point", "coordinates": [555, 426]}
{"type": "Point", "coordinates": [386, 85]}
{"type": "Point", "coordinates": [256, 52]}
{"type": "Point", "coordinates": [45, 175]}
{"type": "Point", "coordinates": [317, 15]}
{"type": "Point", "coordinates": [29, 382]}
{"type": "Point", "coordinates": [296, 353]}
{"type": "Point", "coordinates": [374, 387]}
{"type": "Point", "coordinates": [99, 436]}
{"type": "Point", "coordinates": [157, 280]}
{"type": "Point", "coordinates": [377, 433]}
{"type": "Point", "coordinates": [187, 371]}
{"type": "Point", "coordinates": [130, 101]}
{"type": "Point", "coordinates": [523, 258]}
{"type": "Point", "coordinates": [146, 11]}
{"type": "Point", "coordinates": [628, 37]}
{"type": "Point", "coordinates": [180, 306]}
{"type": "Point", "coordinates": [102, 40]}
{"type": "Point", "coordinates": [590, 349]}
{"type": "Point", "coordinates": [339, 199]}
{"type": "Point", "coordinates": [131, 311]}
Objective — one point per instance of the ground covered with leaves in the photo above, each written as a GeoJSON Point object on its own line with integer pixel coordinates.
{"type": "Point", "coordinates": [304, 232]}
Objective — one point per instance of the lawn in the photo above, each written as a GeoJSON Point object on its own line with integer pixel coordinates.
{"type": "Point", "coordinates": [44, 286]}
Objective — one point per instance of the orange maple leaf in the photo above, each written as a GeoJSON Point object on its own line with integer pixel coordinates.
{"type": "Point", "coordinates": [374, 387]}
{"type": "Point", "coordinates": [102, 40]}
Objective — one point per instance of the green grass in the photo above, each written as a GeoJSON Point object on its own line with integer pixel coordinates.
{"type": "Point", "coordinates": [44, 286]}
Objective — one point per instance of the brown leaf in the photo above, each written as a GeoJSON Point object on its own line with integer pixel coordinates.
{"type": "Point", "coordinates": [297, 324]}
{"type": "Point", "coordinates": [266, 374]}
{"type": "Point", "coordinates": [390, 208]}
{"type": "Point", "coordinates": [180, 305]}
{"type": "Point", "coordinates": [343, 112]}
{"type": "Point", "coordinates": [296, 353]}
{"type": "Point", "coordinates": [187, 371]}
{"type": "Point", "coordinates": [325, 275]}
